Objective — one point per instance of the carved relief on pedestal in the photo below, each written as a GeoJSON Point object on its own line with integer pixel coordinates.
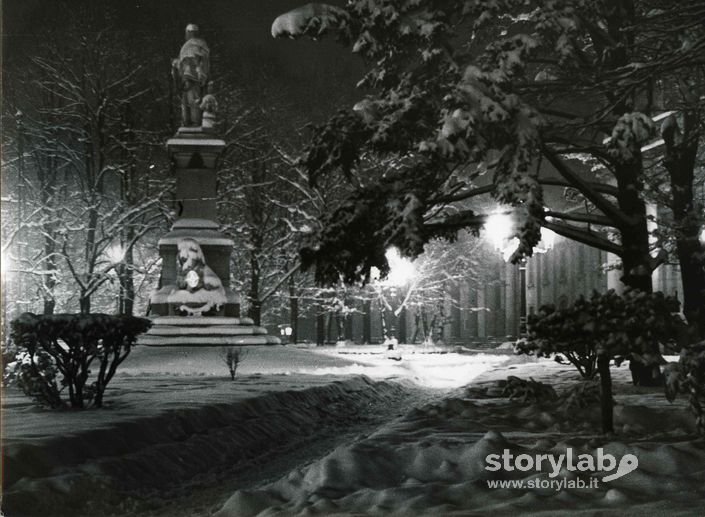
{"type": "Point", "coordinates": [198, 291]}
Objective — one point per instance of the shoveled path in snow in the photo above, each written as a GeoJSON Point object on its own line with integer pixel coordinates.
{"type": "Point", "coordinates": [177, 437]}
{"type": "Point", "coordinates": [431, 461]}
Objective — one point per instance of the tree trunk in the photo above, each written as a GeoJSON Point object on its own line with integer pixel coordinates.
{"type": "Point", "coordinates": [293, 310]}
{"type": "Point", "coordinates": [680, 162]}
{"type": "Point", "coordinates": [417, 327]}
{"type": "Point", "coordinates": [367, 323]}
{"type": "Point", "coordinates": [329, 326]}
{"type": "Point", "coordinates": [294, 318]}
{"type": "Point", "coordinates": [636, 259]}
{"type": "Point", "coordinates": [606, 403]}
{"type": "Point", "coordinates": [340, 326]}
{"type": "Point", "coordinates": [129, 305]}
{"type": "Point", "coordinates": [320, 327]}
{"type": "Point", "coordinates": [402, 326]}
{"type": "Point", "coordinates": [127, 272]}
{"type": "Point", "coordinates": [255, 305]}
{"type": "Point", "coordinates": [255, 311]}
{"type": "Point", "coordinates": [693, 279]}
{"type": "Point", "coordinates": [48, 174]}
{"type": "Point", "coordinates": [49, 278]}
{"type": "Point", "coordinates": [84, 303]}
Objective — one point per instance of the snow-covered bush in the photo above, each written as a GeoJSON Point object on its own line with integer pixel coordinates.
{"type": "Point", "coordinates": [606, 327]}
{"type": "Point", "coordinates": [688, 377]}
{"type": "Point", "coordinates": [608, 324]}
{"type": "Point", "coordinates": [36, 376]}
{"type": "Point", "coordinates": [558, 334]}
{"type": "Point", "coordinates": [580, 395]}
{"type": "Point", "coordinates": [526, 391]}
{"type": "Point", "coordinates": [69, 345]}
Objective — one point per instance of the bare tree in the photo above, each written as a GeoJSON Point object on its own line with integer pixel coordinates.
{"type": "Point", "coordinates": [85, 167]}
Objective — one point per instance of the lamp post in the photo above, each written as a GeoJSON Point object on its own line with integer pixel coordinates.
{"type": "Point", "coordinates": [501, 229]}
{"type": "Point", "coordinates": [285, 332]}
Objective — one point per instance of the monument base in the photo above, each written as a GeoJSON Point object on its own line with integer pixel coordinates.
{"type": "Point", "coordinates": [205, 331]}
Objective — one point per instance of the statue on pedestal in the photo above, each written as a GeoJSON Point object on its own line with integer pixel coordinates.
{"type": "Point", "coordinates": [194, 303]}
{"type": "Point", "coordinates": [191, 71]}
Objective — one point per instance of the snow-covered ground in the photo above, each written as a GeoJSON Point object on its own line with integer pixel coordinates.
{"type": "Point", "coordinates": [432, 461]}
{"type": "Point", "coordinates": [412, 438]}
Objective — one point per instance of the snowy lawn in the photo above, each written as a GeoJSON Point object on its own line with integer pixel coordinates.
{"type": "Point", "coordinates": [157, 379]}
{"type": "Point", "coordinates": [173, 414]}
{"type": "Point", "coordinates": [432, 461]}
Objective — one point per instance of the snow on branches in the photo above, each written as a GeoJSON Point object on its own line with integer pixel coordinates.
{"type": "Point", "coordinates": [312, 20]}
{"type": "Point", "coordinates": [631, 131]}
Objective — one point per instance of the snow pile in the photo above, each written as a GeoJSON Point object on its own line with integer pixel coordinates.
{"type": "Point", "coordinates": [443, 477]}
{"type": "Point", "coordinates": [95, 468]}
{"type": "Point", "coordinates": [313, 17]}
{"type": "Point", "coordinates": [432, 461]}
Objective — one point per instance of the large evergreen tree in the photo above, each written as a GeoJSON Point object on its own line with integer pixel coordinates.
{"type": "Point", "coordinates": [511, 98]}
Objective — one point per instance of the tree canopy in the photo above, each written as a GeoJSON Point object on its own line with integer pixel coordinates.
{"type": "Point", "coordinates": [511, 98]}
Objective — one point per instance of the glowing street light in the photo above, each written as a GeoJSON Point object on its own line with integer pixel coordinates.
{"type": "Point", "coordinates": [401, 270]}
{"type": "Point", "coordinates": [500, 230]}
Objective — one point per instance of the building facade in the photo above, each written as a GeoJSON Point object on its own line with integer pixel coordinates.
{"type": "Point", "coordinates": [495, 308]}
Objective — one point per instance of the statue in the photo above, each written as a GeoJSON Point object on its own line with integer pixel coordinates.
{"type": "Point", "coordinates": [199, 290]}
{"type": "Point", "coordinates": [191, 70]}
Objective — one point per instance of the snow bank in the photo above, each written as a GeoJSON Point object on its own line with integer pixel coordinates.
{"type": "Point", "coordinates": [87, 472]}
{"type": "Point", "coordinates": [444, 476]}
{"type": "Point", "coordinates": [432, 461]}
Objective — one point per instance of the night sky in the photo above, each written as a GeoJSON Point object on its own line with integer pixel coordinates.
{"type": "Point", "coordinates": [311, 79]}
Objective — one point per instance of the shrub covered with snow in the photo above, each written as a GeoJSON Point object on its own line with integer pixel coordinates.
{"type": "Point", "coordinates": [606, 327]}
{"type": "Point", "coordinates": [605, 324]}
{"type": "Point", "coordinates": [688, 377]}
{"type": "Point", "coordinates": [77, 352]}
{"type": "Point", "coordinates": [527, 391]}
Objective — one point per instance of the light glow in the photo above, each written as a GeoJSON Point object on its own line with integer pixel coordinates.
{"type": "Point", "coordinates": [401, 270]}
{"type": "Point", "coordinates": [499, 229]}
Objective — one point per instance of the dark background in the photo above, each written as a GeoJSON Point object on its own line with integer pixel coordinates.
{"type": "Point", "coordinates": [299, 81]}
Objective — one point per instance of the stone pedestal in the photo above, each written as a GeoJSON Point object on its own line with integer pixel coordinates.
{"type": "Point", "coordinates": [203, 313]}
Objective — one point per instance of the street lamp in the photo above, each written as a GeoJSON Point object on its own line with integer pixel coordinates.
{"type": "Point", "coordinates": [500, 231]}
{"type": "Point", "coordinates": [285, 332]}
{"type": "Point", "coordinates": [401, 270]}
{"type": "Point", "coordinates": [500, 228]}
